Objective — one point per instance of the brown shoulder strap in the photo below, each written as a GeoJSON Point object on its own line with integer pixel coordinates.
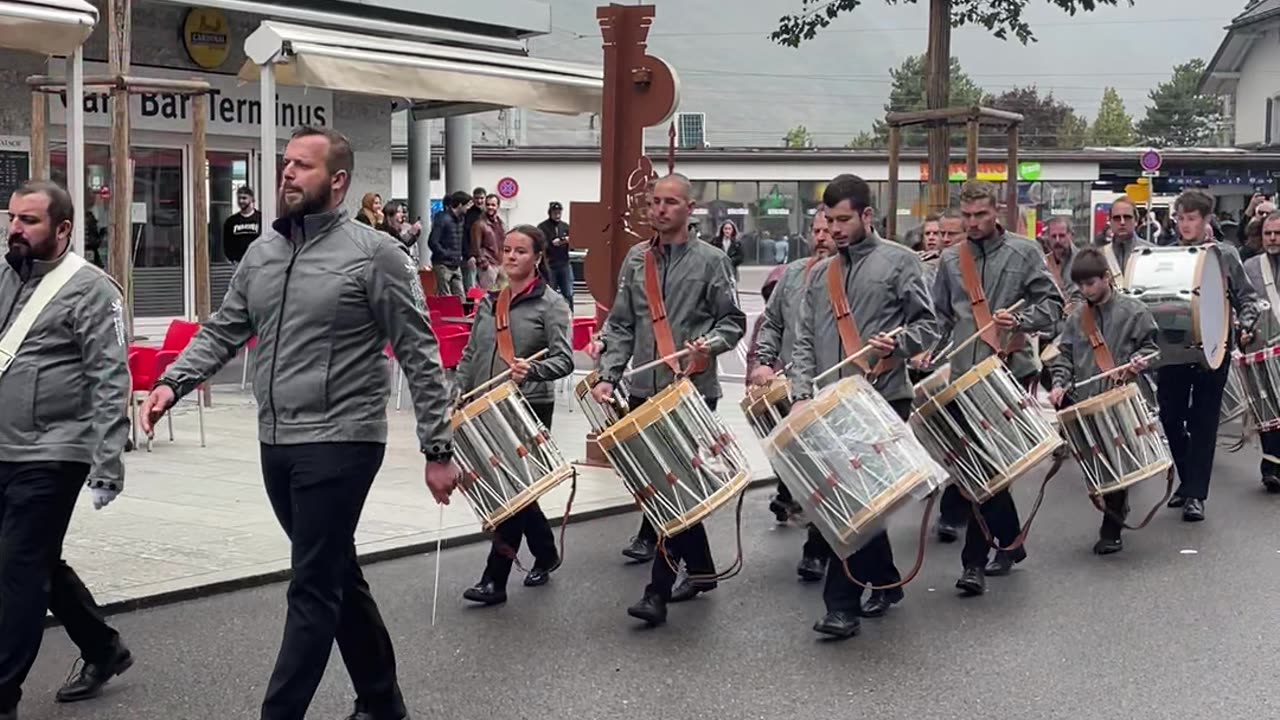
{"type": "Point", "coordinates": [502, 320]}
{"type": "Point", "coordinates": [850, 338]}
{"type": "Point", "coordinates": [1055, 272]}
{"type": "Point", "coordinates": [658, 314]}
{"type": "Point", "coordinates": [808, 266]}
{"type": "Point", "coordinates": [1101, 353]}
{"type": "Point", "coordinates": [977, 296]}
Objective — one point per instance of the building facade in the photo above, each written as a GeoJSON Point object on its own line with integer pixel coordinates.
{"type": "Point", "coordinates": [1244, 71]}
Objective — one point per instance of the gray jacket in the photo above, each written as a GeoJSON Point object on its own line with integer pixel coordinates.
{"type": "Point", "coordinates": [1122, 251]}
{"type": "Point", "coordinates": [884, 283]}
{"type": "Point", "coordinates": [776, 342]}
{"type": "Point", "coordinates": [322, 300]}
{"type": "Point", "coordinates": [539, 320]}
{"type": "Point", "coordinates": [1240, 290]}
{"type": "Point", "coordinates": [1128, 329]}
{"type": "Point", "coordinates": [1010, 268]}
{"type": "Point", "coordinates": [65, 397]}
{"type": "Point", "coordinates": [701, 300]}
{"type": "Point", "coordinates": [1267, 329]}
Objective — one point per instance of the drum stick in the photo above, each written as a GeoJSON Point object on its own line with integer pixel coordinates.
{"type": "Point", "coordinates": [854, 357]}
{"type": "Point", "coordinates": [499, 377]}
{"type": "Point", "coordinates": [969, 340]}
{"type": "Point", "coordinates": [435, 593]}
{"type": "Point", "coordinates": [711, 342]}
{"type": "Point", "coordinates": [1115, 370]}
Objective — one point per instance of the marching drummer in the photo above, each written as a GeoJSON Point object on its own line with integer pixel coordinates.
{"type": "Point", "coordinates": [774, 348]}
{"type": "Point", "coordinates": [512, 325]}
{"type": "Point", "coordinates": [1109, 328]}
{"type": "Point", "coordinates": [1189, 395]}
{"type": "Point", "coordinates": [882, 286]}
{"type": "Point", "coordinates": [1059, 252]}
{"type": "Point", "coordinates": [1262, 271]}
{"type": "Point", "coordinates": [1120, 238]}
{"type": "Point", "coordinates": [693, 282]}
{"type": "Point", "coordinates": [982, 277]}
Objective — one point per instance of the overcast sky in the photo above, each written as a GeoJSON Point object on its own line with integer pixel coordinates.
{"type": "Point", "coordinates": [754, 90]}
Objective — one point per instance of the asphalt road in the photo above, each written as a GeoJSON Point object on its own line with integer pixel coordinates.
{"type": "Point", "coordinates": [1182, 624]}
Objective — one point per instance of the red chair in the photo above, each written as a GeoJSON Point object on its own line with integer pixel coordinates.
{"type": "Point", "coordinates": [477, 293]}
{"type": "Point", "coordinates": [581, 331]}
{"type": "Point", "coordinates": [446, 305]}
{"type": "Point", "coordinates": [452, 344]}
{"type": "Point", "coordinates": [147, 365]}
{"type": "Point", "coordinates": [438, 323]}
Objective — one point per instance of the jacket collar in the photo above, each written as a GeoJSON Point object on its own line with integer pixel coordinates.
{"type": "Point", "coordinates": [313, 226]}
{"type": "Point", "coordinates": [863, 247]}
{"type": "Point", "coordinates": [533, 292]}
{"type": "Point", "coordinates": [29, 268]}
{"type": "Point", "coordinates": [988, 246]}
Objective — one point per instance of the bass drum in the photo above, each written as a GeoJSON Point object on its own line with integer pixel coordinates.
{"type": "Point", "coordinates": [1185, 289]}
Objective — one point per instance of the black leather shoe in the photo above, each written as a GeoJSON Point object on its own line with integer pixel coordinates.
{"type": "Point", "coordinates": [88, 682]}
{"type": "Point", "coordinates": [1193, 511]}
{"type": "Point", "coordinates": [537, 577]}
{"type": "Point", "coordinates": [1271, 483]}
{"type": "Point", "coordinates": [972, 582]}
{"type": "Point", "coordinates": [781, 510]}
{"type": "Point", "coordinates": [687, 590]}
{"type": "Point", "coordinates": [838, 624]}
{"type": "Point", "coordinates": [1176, 501]}
{"type": "Point", "coordinates": [1004, 561]}
{"type": "Point", "coordinates": [362, 712]}
{"type": "Point", "coordinates": [1107, 546]}
{"type": "Point", "coordinates": [651, 609]}
{"type": "Point", "coordinates": [947, 532]}
{"type": "Point", "coordinates": [810, 569]}
{"type": "Point", "coordinates": [641, 550]}
{"type": "Point", "coordinates": [10, 714]}
{"type": "Point", "coordinates": [485, 592]}
{"type": "Point", "coordinates": [880, 602]}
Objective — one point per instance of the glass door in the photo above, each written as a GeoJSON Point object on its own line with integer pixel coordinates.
{"type": "Point", "coordinates": [228, 172]}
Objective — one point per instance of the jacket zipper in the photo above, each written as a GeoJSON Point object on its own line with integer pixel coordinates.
{"type": "Point", "coordinates": [984, 286]}
{"type": "Point", "coordinates": [275, 346]}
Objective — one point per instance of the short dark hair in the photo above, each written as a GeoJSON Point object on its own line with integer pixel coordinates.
{"type": "Point", "coordinates": [1127, 201]}
{"type": "Point", "coordinates": [975, 190]}
{"type": "Point", "coordinates": [1088, 264]}
{"type": "Point", "coordinates": [341, 157]}
{"type": "Point", "coordinates": [478, 191]}
{"type": "Point", "coordinates": [1195, 200]}
{"type": "Point", "coordinates": [932, 217]}
{"type": "Point", "coordinates": [951, 214]}
{"type": "Point", "coordinates": [495, 197]}
{"type": "Point", "coordinates": [244, 190]}
{"type": "Point", "coordinates": [458, 199]}
{"type": "Point", "coordinates": [533, 233]}
{"type": "Point", "coordinates": [847, 187]}
{"type": "Point", "coordinates": [1058, 220]}
{"type": "Point", "coordinates": [61, 207]}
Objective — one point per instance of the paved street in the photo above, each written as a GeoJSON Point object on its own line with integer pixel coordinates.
{"type": "Point", "coordinates": [1180, 625]}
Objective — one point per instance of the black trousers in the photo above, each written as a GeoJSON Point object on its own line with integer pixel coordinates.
{"type": "Point", "coordinates": [561, 278]}
{"type": "Point", "coordinates": [36, 502]}
{"type": "Point", "coordinates": [1118, 503]}
{"type": "Point", "coordinates": [953, 509]}
{"type": "Point", "coordinates": [530, 523]}
{"type": "Point", "coordinates": [691, 546]}
{"type": "Point", "coordinates": [871, 564]}
{"type": "Point", "coordinates": [1270, 446]}
{"type": "Point", "coordinates": [318, 492]}
{"type": "Point", "coordinates": [1190, 399]}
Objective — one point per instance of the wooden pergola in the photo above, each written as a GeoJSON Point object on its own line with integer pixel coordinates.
{"type": "Point", "coordinates": [973, 118]}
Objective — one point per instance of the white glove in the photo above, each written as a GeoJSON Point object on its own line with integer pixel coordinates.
{"type": "Point", "coordinates": [102, 497]}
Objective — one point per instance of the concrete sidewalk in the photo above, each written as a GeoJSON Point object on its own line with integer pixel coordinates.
{"type": "Point", "coordinates": [195, 520]}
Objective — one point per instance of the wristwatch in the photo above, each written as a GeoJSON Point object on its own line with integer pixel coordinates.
{"type": "Point", "coordinates": [439, 453]}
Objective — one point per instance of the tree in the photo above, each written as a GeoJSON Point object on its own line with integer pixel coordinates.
{"type": "Point", "coordinates": [999, 16]}
{"type": "Point", "coordinates": [1073, 132]}
{"type": "Point", "coordinates": [1043, 117]}
{"type": "Point", "coordinates": [1178, 115]}
{"type": "Point", "coordinates": [864, 141]}
{"type": "Point", "coordinates": [798, 137]}
{"type": "Point", "coordinates": [908, 93]}
{"type": "Point", "coordinates": [1113, 127]}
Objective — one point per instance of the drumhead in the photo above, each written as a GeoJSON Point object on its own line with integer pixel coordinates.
{"type": "Point", "coordinates": [1210, 309]}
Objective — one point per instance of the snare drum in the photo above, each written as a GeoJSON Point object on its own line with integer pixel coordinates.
{"type": "Point", "coordinates": [507, 458]}
{"type": "Point", "coordinates": [1233, 397]}
{"type": "Point", "coordinates": [601, 415]}
{"type": "Point", "coordinates": [935, 383]}
{"type": "Point", "coordinates": [985, 430]}
{"type": "Point", "coordinates": [850, 461]}
{"type": "Point", "coordinates": [1186, 291]}
{"type": "Point", "coordinates": [676, 457]}
{"type": "Point", "coordinates": [766, 405]}
{"type": "Point", "coordinates": [1259, 375]}
{"type": "Point", "coordinates": [1116, 439]}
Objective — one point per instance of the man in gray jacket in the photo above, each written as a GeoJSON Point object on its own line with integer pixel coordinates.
{"type": "Point", "coordinates": [323, 295]}
{"type": "Point", "coordinates": [1267, 331]}
{"type": "Point", "coordinates": [64, 391]}
{"type": "Point", "coordinates": [1123, 238]}
{"type": "Point", "coordinates": [702, 311]}
{"type": "Point", "coordinates": [883, 284]}
{"type": "Point", "coordinates": [1010, 268]}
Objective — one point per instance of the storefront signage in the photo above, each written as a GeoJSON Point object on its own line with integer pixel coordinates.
{"type": "Point", "coordinates": [990, 172]}
{"type": "Point", "coordinates": [207, 36]}
{"type": "Point", "coordinates": [15, 163]}
{"type": "Point", "coordinates": [234, 107]}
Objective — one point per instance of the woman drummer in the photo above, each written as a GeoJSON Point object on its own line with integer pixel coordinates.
{"type": "Point", "coordinates": [511, 325]}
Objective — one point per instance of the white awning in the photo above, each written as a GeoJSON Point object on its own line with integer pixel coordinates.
{"type": "Point", "coordinates": [48, 27]}
{"type": "Point", "coordinates": [420, 71]}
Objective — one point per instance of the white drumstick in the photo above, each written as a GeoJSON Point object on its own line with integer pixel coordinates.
{"type": "Point", "coordinates": [435, 593]}
{"type": "Point", "coordinates": [1115, 370]}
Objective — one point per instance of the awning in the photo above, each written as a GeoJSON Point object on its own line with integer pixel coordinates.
{"type": "Point", "coordinates": [420, 71]}
{"type": "Point", "coordinates": [47, 27]}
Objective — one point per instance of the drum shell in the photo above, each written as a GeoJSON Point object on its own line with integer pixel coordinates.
{"type": "Point", "coordinates": [601, 415]}
{"type": "Point", "coordinates": [1185, 288]}
{"type": "Point", "coordinates": [1259, 375]}
{"type": "Point", "coordinates": [1116, 439]}
{"type": "Point", "coordinates": [766, 406]}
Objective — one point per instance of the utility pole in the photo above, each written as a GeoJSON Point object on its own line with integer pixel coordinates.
{"type": "Point", "coordinates": [937, 97]}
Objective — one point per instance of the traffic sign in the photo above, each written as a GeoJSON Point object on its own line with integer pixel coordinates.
{"type": "Point", "coordinates": [1151, 160]}
{"type": "Point", "coordinates": [1138, 192]}
{"type": "Point", "coordinates": [508, 188]}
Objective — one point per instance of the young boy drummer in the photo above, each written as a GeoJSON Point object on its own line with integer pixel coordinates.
{"type": "Point", "coordinates": [1106, 331]}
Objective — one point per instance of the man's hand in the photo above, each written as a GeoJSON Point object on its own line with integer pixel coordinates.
{"type": "Point", "coordinates": [602, 392]}
{"type": "Point", "coordinates": [762, 375]}
{"type": "Point", "coordinates": [559, 241]}
{"type": "Point", "coordinates": [154, 408]}
{"type": "Point", "coordinates": [442, 478]}
{"type": "Point", "coordinates": [701, 346]}
{"type": "Point", "coordinates": [102, 497]}
{"type": "Point", "coordinates": [471, 263]}
{"type": "Point", "coordinates": [1005, 320]}
{"type": "Point", "coordinates": [595, 348]}
{"type": "Point", "coordinates": [1246, 338]}
{"type": "Point", "coordinates": [883, 343]}
{"type": "Point", "coordinates": [1138, 364]}
{"type": "Point", "coordinates": [1057, 395]}
{"type": "Point", "coordinates": [520, 370]}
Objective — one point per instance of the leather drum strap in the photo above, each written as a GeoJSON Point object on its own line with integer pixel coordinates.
{"type": "Point", "coordinates": [1113, 264]}
{"type": "Point", "coordinates": [1055, 271]}
{"type": "Point", "coordinates": [850, 339]}
{"type": "Point", "coordinates": [977, 296]}
{"type": "Point", "coordinates": [1269, 283]}
{"type": "Point", "coordinates": [661, 327]}
{"type": "Point", "coordinates": [1101, 353]}
{"type": "Point", "coordinates": [808, 266]}
{"type": "Point", "coordinates": [502, 320]}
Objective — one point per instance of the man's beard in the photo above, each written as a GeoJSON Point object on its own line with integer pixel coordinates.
{"type": "Point", "coordinates": [309, 204]}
